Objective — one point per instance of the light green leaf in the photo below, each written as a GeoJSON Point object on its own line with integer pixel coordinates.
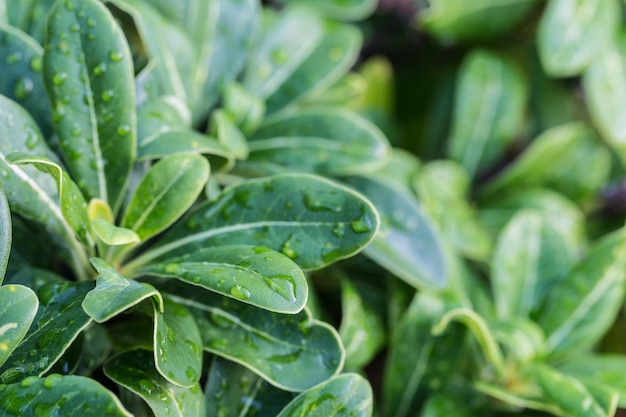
{"type": "Point", "coordinates": [160, 114]}
{"type": "Point", "coordinates": [347, 395]}
{"type": "Point", "coordinates": [605, 369]}
{"type": "Point", "coordinates": [21, 80]}
{"type": "Point", "coordinates": [229, 135]}
{"type": "Point", "coordinates": [290, 351]}
{"type": "Point", "coordinates": [135, 371]}
{"type": "Point", "coordinates": [522, 339]}
{"type": "Point", "coordinates": [17, 312]}
{"type": "Point", "coordinates": [573, 397]}
{"type": "Point", "coordinates": [99, 209]}
{"type": "Point", "coordinates": [467, 21]}
{"type": "Point", "coordinates": [246, 109]}
{"type": "Point", "coordinates": [71, 200]}
{"type": "Point", "coordinates": [286, 40]}
{"type": "Point", "coordinates": [588, 299]}
{"type": "Point", "coordinates": [59, 321]}
{"type": "Point", "coordinates": [573, 34]}
{"type": "Point", "coordinates": [165, 192]}
{"type": "Point", "coordinates": [5, 233]}
{"type": "Point", "coordinates": [325, 139]}
{"type": "Point", "coordinates": [61, 395]}
{"type": "Point", "coordinates": [341, 9]}
{"type": "Point", "coordinates": [177, 345]}
{"type": "Point", "coordinates": [252, 274]}
{"type": "Point", "coordinates": [604, 84]}
{"type": "Point", "coordinates": [401, 167]}
{"type": "Point", "coordinates": [234, 391]}
{"type": "Point", "coordinates": [310, 219]}
{"type": "Point", "coordinates": [407, 244]}
{"type": "Point", "coordinates": [488, 110]}
{"type": "Point", "coordinates": [517, 400]}
{"type": "Point", "coordinates": [113, 235]}
{"type": "Point", "coordinates": [328, 62]}
{"type": "Point", "coordinates": [88, 73]}
{"type": "Point", "coordinates": [113, 293]}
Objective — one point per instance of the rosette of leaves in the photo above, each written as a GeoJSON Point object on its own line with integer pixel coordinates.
{"type": "Point", "coordinates": [164, 169]}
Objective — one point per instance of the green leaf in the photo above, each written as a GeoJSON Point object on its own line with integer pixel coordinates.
{"type": "Point", "coordinates": [488, 110]}
{"type": "Point", "coordinates": [59, 321]}
{"type": "Point", "coordinates": [30, 16]}
{"type": "Point", "coordinates": [589, 298]}
{"type": "Point", "coordinates": [61, 395]}
{"type": "Point", "coordinates": [88, 73]}
{"type": "Point", "coordinates": [573, 397]}
{"type": "Point", "coordinates": [407, 244]}
{"type": "Point", "coordinates": [246, 109]}
{"type": "Point", "coordinates": [114, 294]}
{"type": "Point", "coordinates": [522, 339]}
{"type": "Point", "coordinates": [252, 274]}
{"type": "Point", "coordinates": [310, 219]}
{"type": "Point", "coordinates": [234, 391]}
{"type": "Point", "coordinates": [71, 200]}
{"type": "Point", "coordinates": [285, 41]}
{"type": "Point", "coordinates": [347, 395]}
{"type": "Point", "coordinates": [5, 233]}
{"type": "Point", "coordinates": [444, 404]}
{"type": "Point", "coordinates": [228, 134]}
{"type": "Point", "coordinates": [325, 139]}
{"type": "Point", "coordinates": [341, 9]}
{"type": "Point", "coordinates": [328, 62]}
{"type": "Point", "coordinates": [165, 192]}
{"type": "Point", "coordinates": [177, 345]}
{"type": "Point", "coordinates": [605, 92]}
{"type": "Point", "coordinates": [113, 235]}
{"type": "Point", "coordinates": [605, 369]}
{"type": "Point", "coordinates": [573, 34]}
{"type": "Point", "coordinates": [21, 80]}
{"type": "Point", "coordinates": [530, 261]}
{"type": "Point", "coordinates": [135, 371]}
{"type": "Point", "coordinates": [19, 306]}
{"type": "Point", "coordinates": [160, 114]}
{"type": "Point", "coordinates": [460, 20]}
{"type": "Point", "coordinates": [290, 351]}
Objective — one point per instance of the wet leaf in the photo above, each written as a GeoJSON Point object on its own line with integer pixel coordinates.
{"type": "Point", "coordinates": [310, 219]}
{"type": "Point", "coordinates": [113, 235]}
{"type": "Point", "coordinates": [407, 244]}
{"type": "Point", "coordinates": [17, 312]}
{"type": "Point", "coordinates": [88, 73]}
{"type": "Point", "coordinates": [5, 233]}
{"type": "Point", "coordinates": [251, 274]}
{"type": "Point", "coordinates": [342, 9]}
{"type": "Point", "coordinates": [324, 139]}
{"type": "Point", "coordinates": [135, 370]}
{"type": "Point", "coordinates": [246, 109]}
{"type": "Point", "coordinates": [347, 395]}
{"type": "Point", "coordinates": [229, 135]}
{"type": "Point", "coordinates": [604, 369]}
{"type": "Point", "coordinates": [63, 395]}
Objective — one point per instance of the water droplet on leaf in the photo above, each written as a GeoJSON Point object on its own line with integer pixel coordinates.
{"type": "Point", "coordinates": [240, 292]}
{"type": "Point", "coordinates": [23, 88]}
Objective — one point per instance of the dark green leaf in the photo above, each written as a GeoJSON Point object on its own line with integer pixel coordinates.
{"type": "Point", "coordinates": [59, 395]}
{"type": "Point", "coordinates": [166, 191]}
{"type": "Point", "coordinates": [325, 139]}
{"type": "Point", "coordinates": [488, 110]}
{"type": "Point", "coordinates": [113, 293]}
{"type": "Point", "coordinates": [407, 244]}
{"type": "Point", "coordinates": [30, 16]}
{"type": "Point", "coordinates": [253, 274]}
{"type": "Point", "coordinates": [59, 321]}
{"type": "Point", "coordinates": [573, 34]}
{"type": "Point", "coordinates": [18, 306]}
{"type": "Point", "coordinates": [5, 233]}
{"type": "Point", "coordinates": [88, 72]}
{"type": "Point", "coordinates": [311, 220]}
{"type": "Point", "coordinates": [135, 371]}
{"type": "Point", "coordinates": [347, 395]}
{"type": "Point", "coordinates": [160, 114]}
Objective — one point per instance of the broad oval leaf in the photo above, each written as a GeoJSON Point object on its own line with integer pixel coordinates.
{"type": "Point", "coordinates": [325, 139]}
{"type": "Point", "coordinates": [341, 9]}
{"type": "Point", "coordinates": [88, 73]}
{"type": "Point", "coordinates": [252, 274]}
{"type": "Point", "coordinates": [135, 370]}
{"type": "Point", "coordinates": [22, 79]}
{"type": "Point", "coordinates": [59, 321]}
{"type": "Point", "coordinates": [347, 395]}
{"type": "Point", "coordinates": [290, 351]}
{"type": "Point", "coordinates": [177, 345]}
{"type": "Point", "coordinates": [18, 306]}
{"type": "Point", "coordinates": [165, 192]}
{"type": "Point", "coordinates": [407, 243]}
{"type": "Point", "coordinates": [488, 110]}
{"type": "Point", "coordinates": [589, 298]}
{"type": "Point", "coordinates": [604, 84]}
{"type": "Point", "coordinates": [5, 233]}
{"type": "Point", "coordinates": [572, 34]}
{"type": "Point", "coordinates": [62, 395]}
{"type": "Point", "coordinates": [113, 293]}
{"type": "Point", "coordinates": [310, 219]}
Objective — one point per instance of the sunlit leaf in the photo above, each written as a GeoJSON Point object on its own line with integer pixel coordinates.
{"type": "Point", "coordinates": [17, 312]}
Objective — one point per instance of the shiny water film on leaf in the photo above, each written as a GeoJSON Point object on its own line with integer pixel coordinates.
{"type": "Point", "coordinates": [18, 306]}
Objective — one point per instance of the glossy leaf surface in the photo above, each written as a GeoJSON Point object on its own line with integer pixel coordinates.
{"type": "Point", "coordinates": [342, 9]}
{"type": "Point", "coordinates": [604, 369]}
{"type": "Point", "coordinates": [135, 371]}
{"type": "Point", "coordinates": [251, 274]}
{"type": "Point", "coordinates": [88, 74]}
{"type": "Point", "coordinates": [113, 235]}
{"type": "Point", "coordinates": [63, 395]}
{"type": "Point", "coordinates": [5, 233]}
{"type": "Point", "coordinates": [17, 312]}
{"type": "Point", "coordinates": [311, 220]}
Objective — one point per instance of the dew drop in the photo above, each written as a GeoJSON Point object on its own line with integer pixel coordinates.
{"type": "Point", "coordinates": [146, 385]}
{"type": "Point", "coordinates": [107, 95]}
{"type": "Point", "coordinates": [58, 114]}
{"type": "Point", "coordinates": [91, 22]}
{"type": "Point", "coordinates": [123, 130]}
{"type": "Point", "coordinates": [324, 201]}
{"type": "Point", "coordinates": [191, 373]}
{"type": "Point", "coordinates": [362, 225]}
{"type": "Point", "coordinates": [35, 64]}
{"type": "Point", "coordinates": [339, 230]}
{"type": "Point", "coordinates": [23, 88]}
{"type": "Point", "coordinates": [51, 381]}
{"type": "Point", "coordinates": [76, 132]}
{"type": "Point", "coordinates": [283, 285]}
{"type": "Point", "coordinates": [32, 139]}
{"type": "Point", "coordinates": [240, 292]}
{"type": "Point", "coordinates": [172, 268]}
{"type": "Point", "coordinates": [29, 381]}
{"type": "Point", "coordinates": [116, 56]}
{"type": "Point", "coordinates": [74, 27]}
{"type": "Point", "coordinates": [69, 5]}
{"type": "Point", "coordinates": [100, 69]}
{"type": "Point", "coordinates": [280, 56]}
{"type": "Point", "coordinates": [59, 78]}
{"type": "Point", "coordinates": [14, 57]}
